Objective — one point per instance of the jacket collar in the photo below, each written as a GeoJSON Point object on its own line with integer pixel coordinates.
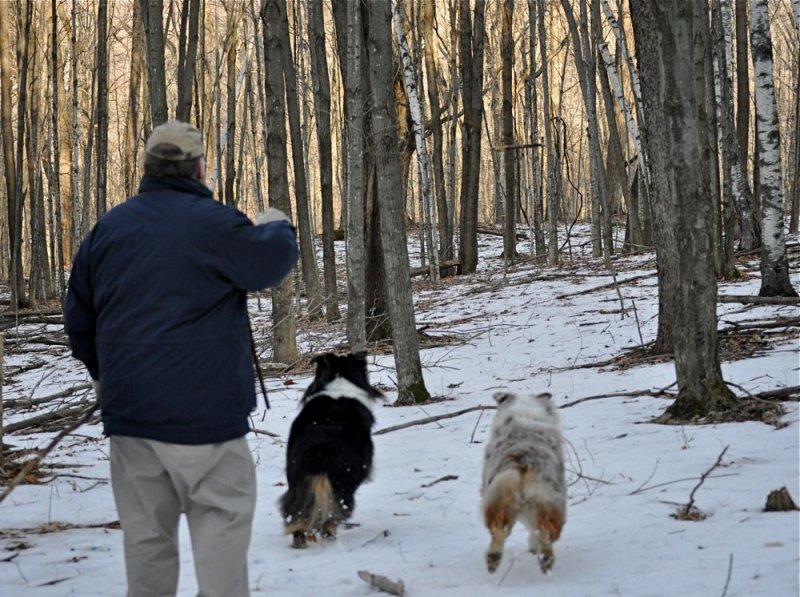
{"type": "Point", "coordinates": [181, 184]}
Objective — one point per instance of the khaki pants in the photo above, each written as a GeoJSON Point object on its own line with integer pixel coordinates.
{"type": "Point", "coordinates": [213, 484]}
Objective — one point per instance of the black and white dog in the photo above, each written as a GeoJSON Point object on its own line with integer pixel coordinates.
{"type": "Point", "coordinates": [330, 448]}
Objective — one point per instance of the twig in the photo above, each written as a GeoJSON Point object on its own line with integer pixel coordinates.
{"type": "Point", "coordinates": [688, 507]}
{"type": "Point", "coordinates": [34, 462]}
{"type": "Point", "coordinates": [265, 432]}
{"type": "Point", "coordinates": [728, 579]}
{"type": "Point", "coordinates": [474, 429]}
{"type": "Point", "coordinates": [439, 480]}
{"type": "Point", "coordinates": [633, 394]}
{"type": "Point", "coordinates": [638, 325]}
{"type": "Point", "coordinates": [433, 419]}
{"type": "Point", "coordinates": [613, 284]}
{"type": "Point", "coordinates": [382, 583]}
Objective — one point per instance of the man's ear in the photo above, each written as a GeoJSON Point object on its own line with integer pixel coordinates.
{"type": "Point", "coordinates": [201, 169]}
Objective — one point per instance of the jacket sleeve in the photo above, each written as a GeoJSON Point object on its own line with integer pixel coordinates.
{"type": "Point", "coordinates": [259, 256]}
{"type": "Point", "coordinates": [80, 317]}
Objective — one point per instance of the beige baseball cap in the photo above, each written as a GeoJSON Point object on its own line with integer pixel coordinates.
{"type": "Point", "coordinates": [175, 141]}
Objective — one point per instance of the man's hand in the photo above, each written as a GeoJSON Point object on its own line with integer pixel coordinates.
{"type": "Point", "coordinates": [271, 215]}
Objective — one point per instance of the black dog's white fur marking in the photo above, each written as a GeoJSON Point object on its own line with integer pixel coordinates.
{"type": "Point", "coordinates": [523, 476]}
{"type": "Point", "coordinates": [330, 449]}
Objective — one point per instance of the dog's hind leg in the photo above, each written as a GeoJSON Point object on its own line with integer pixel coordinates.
{"type": "Point", "coordinates": [549, 522]}
{"type": "Point", "coordinates": [500, 514]}
{"type": "Point", "coordinates": [328, 530]}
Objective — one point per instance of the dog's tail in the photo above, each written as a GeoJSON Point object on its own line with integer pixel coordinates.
{"type": "Point", "coordinates": [311, 504]}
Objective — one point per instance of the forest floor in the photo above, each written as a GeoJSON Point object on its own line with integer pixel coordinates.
{"type": "Point", "coordinates": [654, 509]}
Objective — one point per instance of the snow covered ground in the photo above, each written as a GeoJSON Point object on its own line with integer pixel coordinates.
{"type": "Point", "coordinates": [418, 521]}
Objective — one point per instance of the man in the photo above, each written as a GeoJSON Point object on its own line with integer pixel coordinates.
{"type": "Point", "coordinates": [156, 310]}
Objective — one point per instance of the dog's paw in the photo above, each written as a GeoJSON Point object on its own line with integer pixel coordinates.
{"type": "Point", "coordinates": [299, 540]}
{"type": "Point", "coordinates": [546, 561]}
{"type": "Point", "coordinates": [493, 560]}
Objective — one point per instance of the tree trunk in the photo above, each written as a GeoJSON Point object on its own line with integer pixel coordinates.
{"type": "Point", "coordinates": [774, 264]}
{"type": "Point", "coordinates": [132, 125]}
{"type": "Point", "coordinates": [509, 155]}
{"type": "Point", "coordinates": [152, 15]}
{"type": "Point", "coordinates": [536, 161]}
{"type": "Point", "coordinates": [354, 174]}
{"type": "Point", "coordinates": [418, 126]}
{"type": "Point", "coordinates": [322, 105]}
{"type": "Point", "coordinates": [101, 108]}
{"type": "Point", "coordinates": [305, 226]}
{"type": "Point", "coordinates": [187, 57]}
{"type": "Point", "coordinates": [471, 44]}
{"type": "Point", "coordinates": [13, 183]}
{"type": "Point", "coordinates": [444, 220]}
{"type": "Point", "coordinates": [411, 386]}
{"type": "Point", "coordinates": [231, 44]}
{"type": "Point", "coordinates": [56, 191]}
{"type": "Point", "coordinates": [283, 317]}
{"type": "Point", "coordinates": [553, 197]}
{"type": "Point", "coordinates": [676, 123]}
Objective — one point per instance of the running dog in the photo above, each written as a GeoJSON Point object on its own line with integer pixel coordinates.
{"type": "Point", "coordinates": [330, 448]}
{"type": "Point", "coordinates": [523, 476]}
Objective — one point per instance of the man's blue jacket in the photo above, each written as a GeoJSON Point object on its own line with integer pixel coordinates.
{"type": "Point", "coordinates": [156, 310]}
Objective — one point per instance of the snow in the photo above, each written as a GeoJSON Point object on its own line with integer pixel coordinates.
{"type": "Point", "coordinates": [627, 476]}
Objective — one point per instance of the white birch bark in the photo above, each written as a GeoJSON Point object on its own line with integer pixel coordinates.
{"type": "Point", "coordinates": [633, 125]}
{"type": "Point", "coordinates": [774, 264]}
{"type": "Point", "coordinates": [619, 95]}
{"type": "Point", "coordinates": [418, 125]}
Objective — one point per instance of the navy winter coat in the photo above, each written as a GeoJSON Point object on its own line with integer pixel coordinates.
{"type": "Point", "coordinates": [156, 310]}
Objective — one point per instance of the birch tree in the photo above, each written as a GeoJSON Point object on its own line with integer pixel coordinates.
{"type": "Point", "coordinates": [774, 263]}
{"type": "Point", "coordinates": [411, 385]}
{"type": "Point", "coordinates": [418, 126]}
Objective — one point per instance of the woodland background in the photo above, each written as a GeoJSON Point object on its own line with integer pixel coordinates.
{"type": "Point", "coordinates": [364, 118]}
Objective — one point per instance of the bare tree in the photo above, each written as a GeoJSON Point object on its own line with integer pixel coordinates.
{"type": "Point", "coordinates": [471, 43]}
{"type": "Point", "coordinates": [101, 107]}
{"type": "Point", "coordinates": [510, 154]}
{"type": "Point", "coordinates": [553, 175]}
{"type": "Point", "coordinates": [187, 57]}
{"type": "Point", "coordinates": [774, 264]}
{"type": "Point", "coordinates": [675, 109]}
{"type": "Point", "coordinates": [152, 15]}
{"type": "Point", "coordinates": [352, 34]}
{"type": "Point", "coordinates": [322, 105]}
{"type": "Point", "coordinates": [283, 317]}
{"type": "Point", "coordinates": [305, 226]}
{"type": "Point", "coordinates": [411, 385]}
{"type": "Point", "coordinates": [444, 219]}
{"type": "Point", "coordinates": [13, 183]}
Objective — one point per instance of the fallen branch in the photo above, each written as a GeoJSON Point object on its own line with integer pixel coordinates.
{"type": "Point", "coordinates": [613, 284]}
{"type": "Point", "coordinates": [41, 454]}
{"type": "Point", "coordinates": [29, 402]}
{"type": "Point", "coordinates": [433, 419]}
{"type": "Point", "coordinates": [62, 413]}
{"type": "Point", "coordinates": [633, 394]}
{"type": "Point", "coordinates": [689, 512]}
{"type": "Point", "coordinates": [382, 583]}
{"type": "Point", "coordinates": [443, 267]}
{"type": "Point", "coordinates": [758, 300]}
{"type": "Point", "coordinates": [439, 480]}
